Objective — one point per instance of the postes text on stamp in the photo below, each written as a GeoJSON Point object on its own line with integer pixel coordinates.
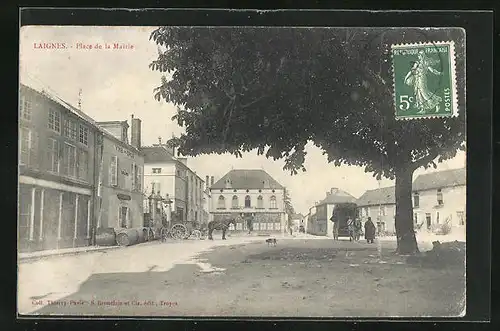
{"type": "Point", "coordinates": [424, 80]}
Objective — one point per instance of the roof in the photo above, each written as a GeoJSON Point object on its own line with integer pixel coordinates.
{"type": "Point", "coordinates": [157, 154]}
{"type": "Point", "coordinates": [380, 196]}
{"type": "Point", "coordinates": [440, 179]}
{"type": "Point", "coordinates": [336, 196]}
{"type": "Point", "coordinates": [247, 179]}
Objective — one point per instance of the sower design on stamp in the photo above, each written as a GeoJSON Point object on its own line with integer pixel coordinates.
{"type": "Point", "coordinates": [424, 80]}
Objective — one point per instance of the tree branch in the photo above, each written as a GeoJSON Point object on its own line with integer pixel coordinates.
{"type": "Point", "coordinates": [425, 159]}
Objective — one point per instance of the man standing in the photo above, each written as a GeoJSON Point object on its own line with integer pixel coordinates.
{"type": "Point", "coordinates": [369, 230]}
{"type": "Point", "coordinates": [249, 219]}
{"type": "Point", "coordinates": [350, 227]}
{"type": "Point", "coordinates": [335, 226]}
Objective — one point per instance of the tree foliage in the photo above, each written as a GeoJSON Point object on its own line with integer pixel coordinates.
{"type": "Point", "coordinates": [276, 89]}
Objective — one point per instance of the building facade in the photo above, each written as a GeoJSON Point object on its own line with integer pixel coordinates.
{"type": "Point", "coordinates": [57, 150]}
{"type": "Point", "coordinates": [121, 167]}
{"type": "Point", "coordinates": [170, 175]}
{"type": "Point", "coordinates": [243, 192]}
{"type": "Point", "coordinates": [336, 200]}
{"type": "Point", "coordinates": [440, 197]}
{"type": "Point", "coordinates": [380, 205]}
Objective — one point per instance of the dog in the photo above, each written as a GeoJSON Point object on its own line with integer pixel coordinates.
{"type": "Point", "coordinates": [271, 241]}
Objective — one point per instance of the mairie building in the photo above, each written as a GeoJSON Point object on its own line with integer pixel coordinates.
{"type": "Point", "coordinates": [241, 193]}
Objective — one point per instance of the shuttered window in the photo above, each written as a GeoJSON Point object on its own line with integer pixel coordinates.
{"type": "Point", "coordinates": [113, 171]}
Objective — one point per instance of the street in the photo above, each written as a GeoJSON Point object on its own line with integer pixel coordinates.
{"type": "Point", "coordinates": [308, 276]}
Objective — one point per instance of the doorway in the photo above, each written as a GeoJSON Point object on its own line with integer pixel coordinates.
{"type": "Point", "coordinates": [123, 217]}
{"type": "Point", "coordinates": [428, 220]}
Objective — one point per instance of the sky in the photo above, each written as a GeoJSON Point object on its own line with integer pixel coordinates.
{"type": "Point", "coordinates": [117, 83]}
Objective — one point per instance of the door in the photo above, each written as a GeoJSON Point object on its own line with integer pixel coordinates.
{"type": "Point", "coordinates": [428, 220]}
{"type": "Point", "coordinates": [123, 217]}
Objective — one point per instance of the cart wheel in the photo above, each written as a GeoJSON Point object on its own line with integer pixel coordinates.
{"type": "Point", "coordinates": [196, 234]}
{"type": "Point", "coordinates": [178, 231]}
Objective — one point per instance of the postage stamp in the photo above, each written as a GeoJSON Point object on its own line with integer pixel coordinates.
{"type": "Point", "coordinates": [424, 80]}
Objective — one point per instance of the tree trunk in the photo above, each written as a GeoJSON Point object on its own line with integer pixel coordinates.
{"type": "Point", "coordinates": [407, 243]}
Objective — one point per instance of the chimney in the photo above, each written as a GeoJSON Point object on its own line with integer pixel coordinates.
{"type": "Point", "coordinates": [125, 132]}
{"type": "Point", "coordinates": [212, 182]}
{"type": "Point", "coordinates": [207, 182]}
{"type": "Point", "coordinates": [135, 132]}
{"type": "Point", "coordinates": [333, 189]}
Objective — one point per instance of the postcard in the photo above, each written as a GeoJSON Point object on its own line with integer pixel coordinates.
{"type": "Point", "coordinates": [170, 171]}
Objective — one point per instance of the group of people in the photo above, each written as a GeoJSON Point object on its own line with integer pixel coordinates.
{"type": "Point", "coordinates": [354, 227]}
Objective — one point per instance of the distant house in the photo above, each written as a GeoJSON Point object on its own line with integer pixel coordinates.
{"type": "Point", "coordinates": [380, 205]}
{"type": "Point", "coordinates": [167, 174]}
{"type": "Point", "coordinates": [242, 192]}
{"type": "Point", "coordinates": [336, 201]}
{"type": "Point", "coordinates": [440, 197]}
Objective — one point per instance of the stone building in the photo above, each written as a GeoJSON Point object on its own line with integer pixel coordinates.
{"type": "Point", "coordinates": [380, 205]}
{"type": "Point", "coordinates": [440, 197]}
{"type": "Point", "coordinates": [121, 176]}
{"type": "Point", "coordinates": [170, 175]}
{"type": "Point", "coordinates": [57, 150]}
{"type": "Point", "coordinates": [255, 192]}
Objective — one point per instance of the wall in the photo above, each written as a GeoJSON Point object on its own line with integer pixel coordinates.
{"type": "Point", "coordinates": [48, 193]}
{"type": "Point", "coordinates": [254, 194]}
{"type": "Point", "coordinates": [384, 214]}
{"type": "Point", "coordinates": [454, 200]}
{"type": "Point", "coordinates": [131, 197]}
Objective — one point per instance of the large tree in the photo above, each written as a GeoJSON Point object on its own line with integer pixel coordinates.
{"type": "Point", "coordinates": [276, 89]}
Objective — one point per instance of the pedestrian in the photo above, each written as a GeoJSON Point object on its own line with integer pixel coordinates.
{"type": "Point", "coordinates": [350, 228]}
{"type": "Point", "coordinates": [369, 231]}
{"type": "Point", "coordinates": [335, 226]}
{"type": "Point", "coordinates": [249, 223]}
{"type": "Point", "coordinates": [357, 228]}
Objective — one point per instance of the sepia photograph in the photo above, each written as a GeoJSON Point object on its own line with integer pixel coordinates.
{"type": "Point", "coordinates": [246, 171]}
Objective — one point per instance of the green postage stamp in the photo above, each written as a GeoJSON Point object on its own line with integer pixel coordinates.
{"type": "Point", "coordinates": [424, 80]}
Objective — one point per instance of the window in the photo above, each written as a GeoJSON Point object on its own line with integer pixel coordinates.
{"type": "Point", "coordinates": [234, 202]}
{"type": "Point", "coordinates": [380, 227]}
{"type": "Point", "coordinates": [53, 155]}
{"type": "Point", "coordinates": [260, 202]}
{"type": "Point", "coordinates": [84, 135]}
{"type": "Point", "coordinates": [69, 160]}
{"type": "Point", "coordinates": [248, 202]}
{"type": "Point", "coordinates": [157, 171]}
{"type": "Point", "coordinates": [113, 171]}
{"type": "Point", "coordinates": [461, 218]}
{"type": "Point", "coordinates": [70, 129]}
{"type": "Point", "coordinates": [416, 200]}
{"type": "Point", "coordinates": [437, 217]}
{"type": "Point", "coordinates": [25, 108]}
{"type": "Point", "coordinates": [382, 211]}
{"type": "Point", "coordinates": [24, 145]}
{"type": "Point", "coordinates": [83, 164]}
{"type": "Point", "coordinates": [415, 218]}
{"type": "Point", "coordinates": [55, 120]}
{"type": "Point", "coordinates": [272, 203]}
{"type": "Point", "coordinates": [221, 203]}
{"type": "Point", "coordinates": [156, 187]}
{"type": "Point", "coordinates": [367, 211]}
{"type": "Point", "coordinates": [439, 197]}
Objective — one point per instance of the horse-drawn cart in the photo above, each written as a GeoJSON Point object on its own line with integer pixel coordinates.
{"type": "Point", "coordinates": [183, 230]}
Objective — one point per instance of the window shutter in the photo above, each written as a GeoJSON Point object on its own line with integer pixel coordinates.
{"type": "Point", "coordinates": [113, 171]}
{"type": "Point", "coordinates": [139, 178]}
{"type": "Point", "coordinates": [133, 176]}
